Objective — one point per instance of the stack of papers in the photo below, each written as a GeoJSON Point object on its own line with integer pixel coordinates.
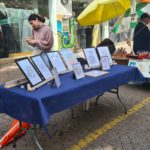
{"type": "Point", "coordinates": [95, 73]}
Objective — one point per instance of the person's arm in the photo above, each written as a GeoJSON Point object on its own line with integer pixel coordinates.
{"type": "Point", "coordinates": [30, 40]}
{"type": "Point", "coordinates": [146, 33]}
{"type": "Point", "coordinates": [47, 43]}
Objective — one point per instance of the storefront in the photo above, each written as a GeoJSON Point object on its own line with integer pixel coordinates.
{"type": "Point", "coordinates": [14, 26]}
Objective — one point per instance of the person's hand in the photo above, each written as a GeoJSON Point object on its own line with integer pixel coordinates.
{"type": "Point", "coordinates": [31, 41]}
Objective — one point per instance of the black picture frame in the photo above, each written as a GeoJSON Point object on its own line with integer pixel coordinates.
{"type": "Point", "coordinates": [62, 62]}
{"type": "Point", "coordinates": [84, 51]}
{"type": "Point", "coordinates": [17, 61]}
{"type": "Point", "coordinates": [39, 70]}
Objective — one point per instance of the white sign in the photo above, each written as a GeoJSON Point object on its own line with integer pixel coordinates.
{"type": "Point", "coordinates": [92, 58]}
{"type": "Point", "coordinates": [57, 62]}
{"type": "Point", "coordinates": [78, 71]}
{"type": "Point", "coordinates": [29, 71]}
{"type": "Point", "coordinates": [56, 77]}
{"type": "Point", "coordinates": [104, 51]}
{"type": "Point", "coordinates": [42, 67]}
{"type": "Point", "coordinates": [69, 57]}
{"type": "Point", "coordinates": [105, 63]}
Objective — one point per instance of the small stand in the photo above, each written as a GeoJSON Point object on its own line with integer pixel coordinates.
{"type": "Point", "coordinates": [16, 82]}
{"type": "Point", "coordinates": [32, 88]}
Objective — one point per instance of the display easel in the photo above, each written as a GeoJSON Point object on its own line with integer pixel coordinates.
{"type": "Point", "coordinates": [15, 82]}
{"type": "Point", "coordinates": [32, 88]}
{"type": "Point", "coordinates": [24, 81]}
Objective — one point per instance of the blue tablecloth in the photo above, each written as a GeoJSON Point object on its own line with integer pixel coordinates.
{"type": "Point", "coordinates": [36, 107]}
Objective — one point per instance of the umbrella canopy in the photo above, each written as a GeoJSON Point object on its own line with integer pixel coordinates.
{"type": "Point", "coordinates": [144, 1]}
{"type": "Point", "coordinates": [102, 10]}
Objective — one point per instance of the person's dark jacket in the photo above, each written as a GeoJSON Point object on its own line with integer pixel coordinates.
{"type": "Point", "coordinates": [141, 38]}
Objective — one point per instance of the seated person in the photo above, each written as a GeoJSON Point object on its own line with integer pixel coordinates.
{"type": "Point", "coordinates": [107, 42]}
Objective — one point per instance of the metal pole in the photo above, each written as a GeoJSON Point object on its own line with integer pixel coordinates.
{"type": "Point", "coordinates": [133, 20]}
{"type": "Point", "coordinates": [52, 4]}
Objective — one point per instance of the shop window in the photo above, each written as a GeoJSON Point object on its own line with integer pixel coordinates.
{"type": "Point", "coordinates": [14, 26]}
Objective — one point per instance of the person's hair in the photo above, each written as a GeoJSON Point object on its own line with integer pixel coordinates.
{"type": "Point", "coordinates": [109, 43]}
{"type": "Point", "coordinates": [35, 16]}
{"type": "Point", "coordinates": [144, 15]}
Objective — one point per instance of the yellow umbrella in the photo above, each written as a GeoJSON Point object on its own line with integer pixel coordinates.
{"type": "Point", "coordinates": [102, 10]}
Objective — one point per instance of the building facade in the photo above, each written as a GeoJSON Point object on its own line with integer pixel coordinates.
{"type": "Point", "coordinates": [60, 15]}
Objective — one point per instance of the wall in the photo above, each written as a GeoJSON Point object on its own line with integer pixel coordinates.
{"type": "Point", "coordinates": [62, 24]}
{"type": "Point", "coordinates": [64, 9]}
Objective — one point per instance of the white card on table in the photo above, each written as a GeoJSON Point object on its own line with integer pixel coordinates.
{"type": "Point", "coordinates": [95, 73]}
{"type": "Point", "coordinates": [57, 62]}
{"type": "Point", "coordinates": [105, 63]}
{"type": "Point", "coordinates": [78, 71]}
{"type": "Point", "coordinates": [56, 77]}
{"type": "Point", "coordinates": [104, 51]}
{"type": "Point", "coordinates": [68, 57]}
{"type": "Point", "coordinates": [92, 58]}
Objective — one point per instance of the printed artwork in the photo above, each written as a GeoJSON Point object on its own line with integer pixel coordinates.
{"type": "Point", "coordinates": [105, 63]}
{"type": "Point", "coordinates": [29, 71]}
{"type": "Point", "coordinates": [78, 71]}
{"type": "Point", "coordinates": [57, 62]}
{"type": "Point", "coordinates": [91, 56]}
{"type": "Point", "coordinates": [104, 51]}
{"type": "Point", "coordinates": [40, 64]}
{"type": "Point", "coordinates": [68, 57]}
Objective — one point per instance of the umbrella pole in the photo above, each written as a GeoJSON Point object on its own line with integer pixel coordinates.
{"type": "Point", "coordinates": [133, 20]}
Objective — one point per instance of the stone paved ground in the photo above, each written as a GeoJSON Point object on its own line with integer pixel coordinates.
{"type": "Point", "coordinates": [130, 134]}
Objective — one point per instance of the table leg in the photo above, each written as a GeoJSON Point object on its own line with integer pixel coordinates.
{"type": "Point", "coordinates": [114, 91]}
{"type": "Point", "coordinates": [97, 98]}
{"type": "Point", "coordinates": [36, 138]}
{"type": "Point", "coordinates": [119, 99]}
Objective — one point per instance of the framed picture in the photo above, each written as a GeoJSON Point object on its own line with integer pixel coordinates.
{"type": "Point", "coordinates": [92, 58]}
{"type": "Point", "coordinates": [29, 71]}
{"type": "Point", "coordinates": [57, 62]}
{"type": "Point", "coordinates": [46, 60]}
{"type": "Point", "coordinates": [105, 63]}
{"type": "Point", "coordinates": [42, 67]}
{"type": "Point", "coordinates": [132, 63]}
{"type": "Point", "coordinates": [104, 51]}
{"type": "Point", "coordinates": [78, 71]}
{"type": "Point", "coordinates": [68, 57]}
{"type": "Point", "coordinates": [144, 68]}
